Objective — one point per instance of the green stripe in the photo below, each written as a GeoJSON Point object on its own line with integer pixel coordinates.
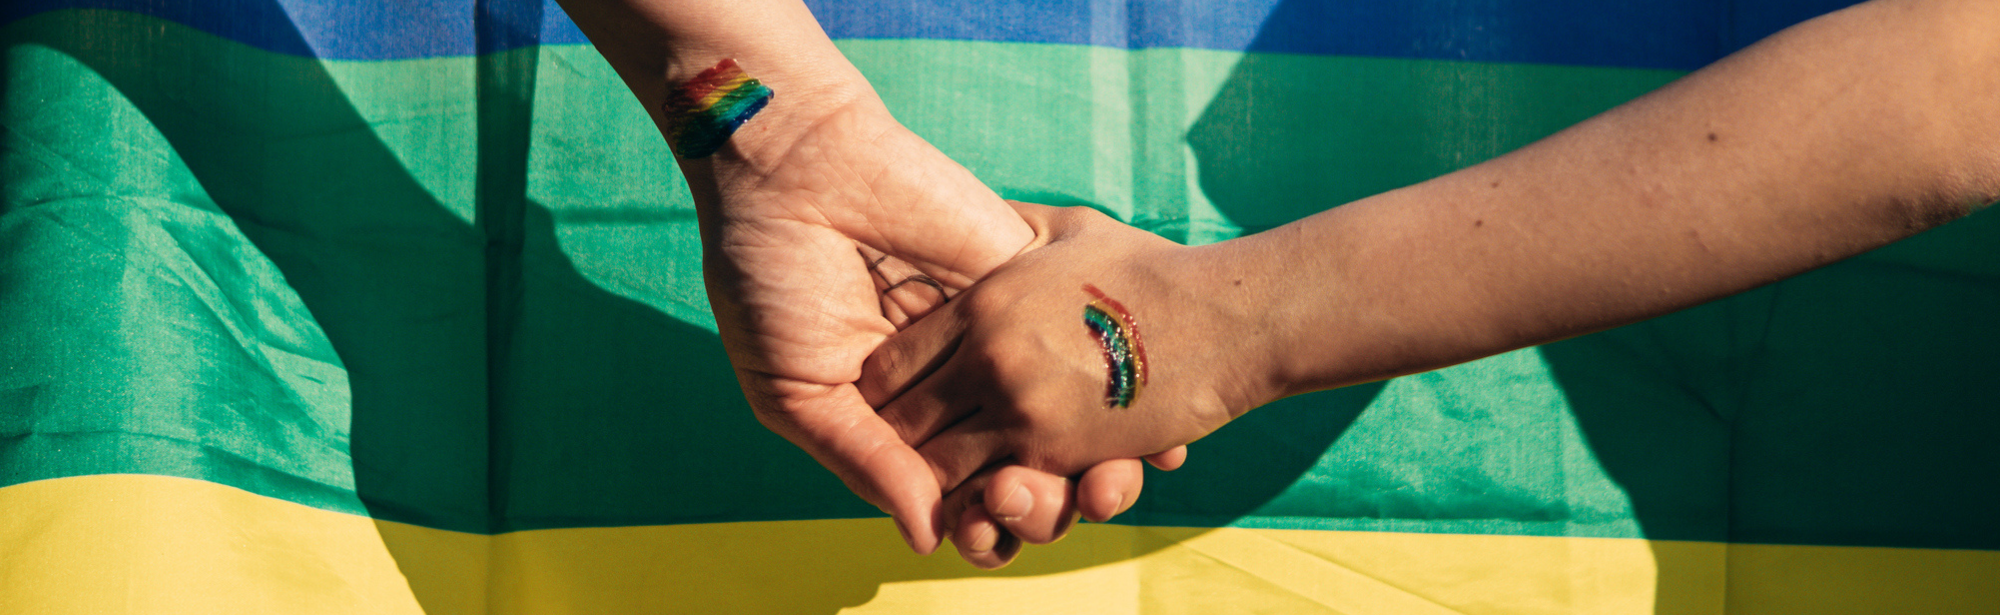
{"type": "Point", "coordinates": [357, 181]}
{"type": "Point", "coordinates": [1201, 145]}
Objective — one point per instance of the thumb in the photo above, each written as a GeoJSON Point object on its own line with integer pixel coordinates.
{"type": "Point", "coordinates": [1041, 219]}
{"type": "Point", "coordinates": [844, 434]}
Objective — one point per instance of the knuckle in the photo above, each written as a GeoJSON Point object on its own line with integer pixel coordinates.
{"type": "Point", "coordinates": [989, 299]}
{"type": "Point", "coordinates": [1081, 215]}
{"type": "Point", "coordinates": [888, 360]}
{"type": "Point", "coordinates": [774, 416]}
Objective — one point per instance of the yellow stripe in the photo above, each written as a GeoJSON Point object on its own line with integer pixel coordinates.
{"type": "Point", "coordinates": [152, 544]}
{"type": "Point", "coordinates": [1800, 579]}
{"type": "Point", "coordinates": [145, 544]}
{"type": "Point", "coordinates": [722, 90]}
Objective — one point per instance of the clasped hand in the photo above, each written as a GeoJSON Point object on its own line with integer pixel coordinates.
{"type": "Point", "coordinates": [820, 244]}
{"type": "Point", "coordinates": [1010, 374]}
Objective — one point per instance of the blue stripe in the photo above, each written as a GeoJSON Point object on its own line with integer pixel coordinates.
{"type": "Point", "coordinates": [343, 29]}
{"type": "Point", "coordinates": [1673, 34]}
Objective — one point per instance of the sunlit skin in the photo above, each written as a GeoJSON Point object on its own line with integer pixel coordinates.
{"type": "Point", "coordinates": [701, 114]}
{"type": "Point", "coordinates": [1831, 138]}
{"type": "Point", "coordinates": [815, 214]}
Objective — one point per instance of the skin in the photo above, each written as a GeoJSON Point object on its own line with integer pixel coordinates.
{"type": "Point", "coordinates": [826, 227]}
{"type": "Point", "coordinates": [1834, 137]}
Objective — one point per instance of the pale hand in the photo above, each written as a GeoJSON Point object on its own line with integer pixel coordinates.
{"type": "Point", "coordinates": [856, 228]}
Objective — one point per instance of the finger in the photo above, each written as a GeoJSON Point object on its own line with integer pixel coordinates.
{"type": "Point", "coordinates": [933, 405]}
{"type": "Point", "coordinates": [906, 293]}
{"type": "Point", "coordinates": [1170, 459]}
{"type": "Point", "coordinates": [840, 431]}
{"type": "Point", "coordinates": [910, 355]}
{"type": "Point", "coordinates": [1109, 488]}
{"type": "Point", "coordinates": [875, 260]}
{"type": "Point", "coordinates": [1036, 506]}
{"type": "Point", "coordinates": [915, 295]}
{"type": "Point", "coordinates": [962, 449]}
{"type": "Point", "coordinates": [1040, 218]}
{"type": "Point", "coordinates": [982, 542]}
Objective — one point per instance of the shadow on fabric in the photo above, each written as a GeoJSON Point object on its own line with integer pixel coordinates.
{"type": "Point", "coordinates": [1847, 406]}
{"type": "Point", "coordinates": [495, 388]}
{"type": "Point", "coordinates": [498, 389]}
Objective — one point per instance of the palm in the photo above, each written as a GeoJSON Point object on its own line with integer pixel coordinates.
{"type": "Point", "coordinates": [800, 307]}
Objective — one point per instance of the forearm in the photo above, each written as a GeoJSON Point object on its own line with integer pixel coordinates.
{"type": "Point", "coordinates": [823, 141]}
{"type": "Point", "coordinates": [1826, 140]}
{"type": "Point", "coordinates": [658, 44]}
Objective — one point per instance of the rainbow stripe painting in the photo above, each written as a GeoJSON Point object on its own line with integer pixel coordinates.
{"type": "Point", "coordinates": [709, 108]}
{"type": "Point", "coordinates": [1124, 353]}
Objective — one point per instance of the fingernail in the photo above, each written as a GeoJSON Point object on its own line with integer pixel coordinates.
{"type": "Point", "coordinates": [1014, 505]}
{"type": "Point", "coordinates": [983, 539]}
{"type": "Point", "coordinates": [907, 539]}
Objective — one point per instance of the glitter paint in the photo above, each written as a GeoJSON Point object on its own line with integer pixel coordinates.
{"type": "Point", "coordinates": [1124, 354]}
{"type": "Point", "coordinates": [710, 107]}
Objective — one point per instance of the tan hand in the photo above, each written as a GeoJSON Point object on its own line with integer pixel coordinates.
{"type": "Point", "coordinates": [1008, 372]}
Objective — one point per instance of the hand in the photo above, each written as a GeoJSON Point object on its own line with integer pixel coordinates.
{"type": "Point", "coordinates": [825, 226]}
{"type": "Point", "coordinates": [999, 509]}
{"type": "Point", "coordinates": [853, 228]}
{"type": "Point", "coordinates": [1008, 371]}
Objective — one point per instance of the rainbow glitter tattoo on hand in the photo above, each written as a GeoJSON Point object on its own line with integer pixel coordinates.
{"type": "Point", "coordinates": [1124, 354]}
{"type": "Point", "coordinates": [708, 108]}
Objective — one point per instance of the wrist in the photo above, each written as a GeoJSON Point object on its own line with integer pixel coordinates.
{"type": "Point", "coordinates": [1293, 314]}
{"type": "Point", "coordinates": [657, 47]}
{"type": "Point", "coordinates": [796, 109]}
{"type": "Point", "coordinates": [795, 122]}
{"type": "Point", "coordinates": [1235, 285]}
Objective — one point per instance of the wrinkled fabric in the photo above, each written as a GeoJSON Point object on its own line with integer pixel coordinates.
{"type": "Point", "coordinates": [429, 265]}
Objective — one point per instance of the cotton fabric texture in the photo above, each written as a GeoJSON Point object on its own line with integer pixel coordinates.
{"type": "Point", "coordinates": [365, 306]}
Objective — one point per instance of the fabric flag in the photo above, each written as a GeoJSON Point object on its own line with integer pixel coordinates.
{"type": "Point", "coordinates": [317, 306]}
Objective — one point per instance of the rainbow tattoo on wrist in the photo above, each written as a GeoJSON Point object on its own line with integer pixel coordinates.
{"type": "Point", "coordinates": [708, 108]}
{"type": "Point", "coordinates": [1124, 354]}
